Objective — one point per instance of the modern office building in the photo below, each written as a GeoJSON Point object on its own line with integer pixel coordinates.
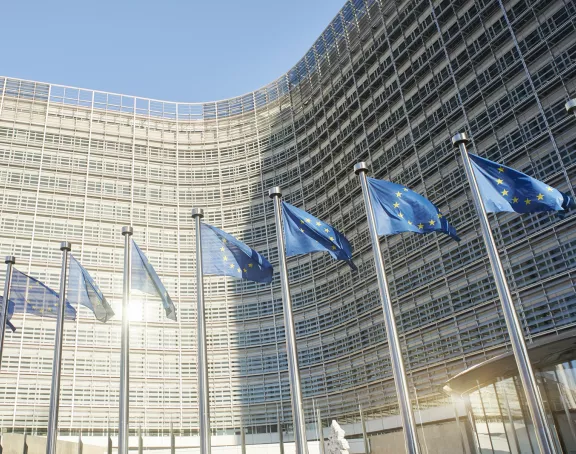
{"type": "Point", "coordinates": [388, 82]}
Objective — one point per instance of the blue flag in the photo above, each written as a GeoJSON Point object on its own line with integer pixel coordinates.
{"type": "Point", "coordinates": [224, 255]}
{"type": "Point", "coordinates": [145, 279]}
{"type": "Point", "coordinates": [505, 189]}
{"type": "Point", "coordinates": [10, 313]}
{"type": "Point", "coordinates": [398, 209]}
{"type": "Point", "coordinates": [304, 233]}
{"type": "Point", "coordinates": [83, 290]}
{"type": "Point", "coordinates": [32, 296]}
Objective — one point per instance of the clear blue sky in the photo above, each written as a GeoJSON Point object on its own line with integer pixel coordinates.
{"type": "Point", "coordinates": [173, 50]}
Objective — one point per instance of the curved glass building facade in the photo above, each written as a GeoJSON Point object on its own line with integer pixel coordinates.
{"type": "Point", "coordinates": [389, 83]}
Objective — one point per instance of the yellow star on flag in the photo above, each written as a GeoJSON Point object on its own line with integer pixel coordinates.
{"type": "Point", "coordinates": [331, 238]}
{"type": "Point", "coordinates": [302, 230]}
{"type": "Point", "coordinates": [401, 215]}
{"type": "Point", "coordinates": [326, 230]}
{"type": "Point", "coordinates": [398, 194]}
{"type": "Point", "coordinates": [224, 240]}
{"type": "Point", "coordinates": [499, 181]}
{"type": "Point", "coordinates": [396, 204]}
{"type": "Point", "coordinates": [231, 265]}
{"type": "Point", "coordinates": [540, 196]}
{"type": "Point", "coordinates": [318, 224]}
{"type": "Point", "coordinates": [302, 221]}
{"type": "Point", "coordinates": [225, 258]}
{"type": "Point", "coordinates": [250, 265]}
{"type": "Point", "coordinates": [432, 222]}
{"type": "Point", "coordinates": [527, 201]}
{"type": "Point", "coordinates": [222, 249]}
{"type": "Point", "coordinates": [239, 270]}
{"type": "Point", "coordinates": [420, 226]}
{"type": "Point", "coordinates": [500, 169]}
{"type": "Point", "coordinates": [245, 270]}
{"type": "Point", "coordinates": [439, 215]}
{"type": "Point", "coordinates": [515, 200]}
{"type": "Point", "coordinates": [308, 220]}
{"type": "Point", "coordinates": [410, 222]}
{"type": "Point", "coordinates": [405, 189]}
{"type": "Point", "coordinates": [333, 248]}
{"type": "Point", "coordinates": [549, 188]}
{"type": "Point", "coordinates": [505, 192]}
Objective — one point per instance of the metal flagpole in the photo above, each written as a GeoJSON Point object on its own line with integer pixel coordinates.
{"type": "Point", "coordinates": [124, 422]}
{"type": "Point", "coordinates": [203, 397]}
{"type": "Point", "coordinates": [533, 397]}
{"type": "Point", "coordinates": [406, 415]}
{"type": "Point", "coordinates": [10, 261]}
{"type": "Point", "coordinates": [280, 431]}
{"type": "Point", "coordinates": [364, 434]}
{"type": "Point", "coordinates": [65, 247]}
{"type": "Point", "coordinates": [320, 432]}
{"type": "Point", "coordinates": [291, 349]}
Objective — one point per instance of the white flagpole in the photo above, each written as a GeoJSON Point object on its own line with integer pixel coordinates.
{"type": "Point", "coordinates": [533, 397]}
{"type": "Point", "coordinates": [291, 348]}
{"type": "Point", "coordinates": [123, 420]}
{"type": "Point", "coordinates": [10, 261]}
{"type": "Point", "coordinates": [400, 380]}
{"type": "Point", "coordinates": [65, 247]}
{"type": "Point", "coordinates": [203, 395]}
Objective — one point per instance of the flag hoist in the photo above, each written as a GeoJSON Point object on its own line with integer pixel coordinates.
{"type": "Point", "coordinates": [291, 349]}
{"type": "Point", "coordinates": [123, 420]}
{"type": "Point", "coordinates": [219, 254]}
{"type": "Point", "coordinates": [508, 200]}
{"type": "Point", "coordinates": [399, 372]}
{"type": "Point", "coordinates": [203, 396]}
{"type": "Point", "coordinates": [65, 247]}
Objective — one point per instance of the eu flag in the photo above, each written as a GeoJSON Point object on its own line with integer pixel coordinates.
{"type": "Point", "coordinates": [83, 290]}
{"type": "Point", "coordinates": [505, 189]}
{"type": "Point", "coordinates": [398, 209]}
{"type": "Point", "coordinates": [9, 315]}
{"type": "Point", "coordinates": [145, 279]}
{"type": "Point", "coordinates": [32, 296]}
{"type": "Point", "coordinates": [304, 233]}
{"type": "Point", "coordinates": [224, 255]}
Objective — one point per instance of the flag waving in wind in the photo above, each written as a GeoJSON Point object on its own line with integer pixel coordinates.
{"type": "Point", "coordinates": [304, 233]}
{"type": "Point", "coordinates": [32, 296]}
{"type": "Point", "coordinates": [224, 255]}
{"type": "Point", "coordinates": [398, 209]}
{"type": "Point", "coordinates": [505, 189]}
{"type": "Point", "coordinates": [83, 290]}
{"type": "Point", "coordinates": [145, 279]}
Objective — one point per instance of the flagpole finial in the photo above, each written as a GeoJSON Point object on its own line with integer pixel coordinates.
{"type": "Point", "coordinates": [275, 191]}
{"type": "Point", "coordinates": [197, 212]}
{"type": "Point", "coordinates": [571, 105]}
{"type": "Point", "coordinates": [360, 167]}
{"type": "Point", "coordinates": [65, 246]}
{"type": "Point", "coordinates": [460, 138]}
{"type": "Point", "coordinates": [10, 259]}
{"type": "Point", "coordinates": [127, 230]}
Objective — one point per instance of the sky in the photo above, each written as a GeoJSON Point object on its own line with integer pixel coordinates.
{"type": "Point", "coordinates": [173, 50]}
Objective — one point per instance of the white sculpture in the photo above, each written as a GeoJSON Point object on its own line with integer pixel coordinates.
{"type": "Point", "coordinates": [336, 443]}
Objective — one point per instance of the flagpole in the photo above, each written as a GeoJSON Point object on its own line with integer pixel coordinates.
{"type": "Point", "coordinates": [533, 397]}
{"type": "Point", "coordinates": [203, 396]}
{"type": "Point", "coordinates": [292, 350]}
{"type": "Point", "coordinates": [10, 262]}
{"type": "Point", "coordinates": [400, 380]}
{"type": "Point", "coordinates": [65, 247]}
{"type": "Point", "coordinates": [123, 420]}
